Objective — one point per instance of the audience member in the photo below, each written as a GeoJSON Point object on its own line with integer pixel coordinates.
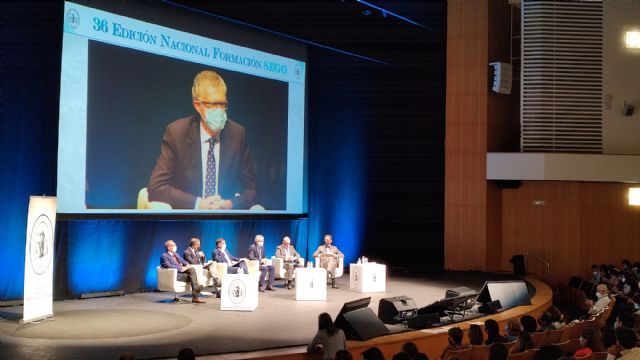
{"type": "Point", "coordinates": [498, 351]}
{"type": "Point", "coordinates": [511, 330]}
{"type": "Point", "coordinates": [590, 342]}
{"type": "Point", "coordinates": [421, 356]}
{"type": "Point", "coordinates": [186, 354]}
{"type": "Point", "coordinates": [529, 324]}
{"type": "Point", "coordinates": [476, 336]}
{"type": "Point", "coordinates": [343, 355]}
{"type": "Point", "coordinates": [372, 353]}
{"type": "Point", "coordinates": [493, 332]}
{"type": "Point", "coordinates": [551, 319]}
{"type": "Point", "coordinates": [329, 336]}
{"type": "Point", "coordinates": [410, 349]}
{"type": "Point", "coordinates": [625, 347]}
{"type": "Point", "coordinates": [454, 341]}
{"type": "Point", "coordinates": [625, 320]}
{"type": "Point", "coordinates": [523, 343]}
{"type": "Point", "coordinates": [401, 356]}
{"type": "Point", "coordinates": [602, 293]}
{"type": "Point", "coordinates": [548, 352]}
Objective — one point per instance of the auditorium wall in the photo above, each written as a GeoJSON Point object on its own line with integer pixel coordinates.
{"type": "Point", "coordinates": [580, 223]}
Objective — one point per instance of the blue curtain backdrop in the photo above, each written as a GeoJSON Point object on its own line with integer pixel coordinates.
{"type": "Point", "coordinates": [102, 255]}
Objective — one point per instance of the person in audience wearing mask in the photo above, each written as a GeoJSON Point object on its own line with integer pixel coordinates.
{"type": "Point", "coordinates": [590, 342]}
{"type": "Point", "coordinates": [329, 255]}
{"type": "Point", "coordinates": [194, 255]}
{"type": "Point", "coordinates": [596, 274]}
{"type": "Point", "coordinates": [602, 294]}
{"type": "Point", "coordinates": [256, 252]}
{"type": "Point", "coordinates": [222, 255]}
{"type": "Point", "coordinates": [171, 260]}
{"type": "Point", "coordinates": [204, 161]}
{"type": "Point", "coordinates": [291, 259]}
{"type": "Point", "coordinates": [329, 338]}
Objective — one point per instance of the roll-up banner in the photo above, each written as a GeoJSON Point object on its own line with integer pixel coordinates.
{"type": "Point", "coordinates": [38, 259]}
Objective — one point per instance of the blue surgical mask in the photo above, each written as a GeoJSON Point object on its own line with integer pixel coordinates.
{"type": "Point", "coordinates": [636, 306]}
{"type": "Point", "coordinates": [216, 118]}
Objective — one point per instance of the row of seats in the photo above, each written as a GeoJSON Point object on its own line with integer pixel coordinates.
{"type": "Point", "coordinates": [567, 339]}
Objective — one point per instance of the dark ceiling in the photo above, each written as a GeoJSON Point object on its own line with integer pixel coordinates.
{"type": "Point", "coordinates": [342, 24]}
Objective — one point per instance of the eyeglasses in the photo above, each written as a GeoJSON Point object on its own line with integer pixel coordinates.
{"type": "Point", "coordinates": [214, 105]}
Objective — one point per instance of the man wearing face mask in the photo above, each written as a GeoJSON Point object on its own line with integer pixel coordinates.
{"type": "Point", "coordinates": [602, 293]}
{"type": "Point", "coordinates": [222, 255]}
{"type": "Point", "coordinates": [256, 252]}
{"type": "Point", "coordinates": [171, 260]}
{"type": "Point", "coordinates": [204, 160]}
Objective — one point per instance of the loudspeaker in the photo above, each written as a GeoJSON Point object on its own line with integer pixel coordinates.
{"type": "Point", "coordinates": [361, 324]}
{"type": "Point", "coordinates": [394, 310]}
{"type": "Point", "coordinates": [510, 293]}
{"type": "Point", "coordinates": [518, 265]}
{"type": "Point", "coordinates": [423, 321]}
{"type": "Point", "coordinates": [502, 77]}
{"type": "Point", "coordinates": [459, 291]}
{"type": "Point", "coordinates": [491, 307]}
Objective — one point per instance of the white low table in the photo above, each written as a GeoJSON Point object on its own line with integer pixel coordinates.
{"type": "Point", "coordinates": [239, 292]}
{"type": "Point", "coordinates": [368, 277]}
{"type": "Point", "coordinates": [311, 283]}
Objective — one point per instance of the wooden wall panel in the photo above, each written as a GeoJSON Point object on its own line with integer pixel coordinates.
{"type": "Point", "coordinates": [580, 224]}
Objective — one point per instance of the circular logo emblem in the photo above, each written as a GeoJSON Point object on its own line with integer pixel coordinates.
{"type": "Point", "coordinates": [41, 244]}
{"type": "Point", "coordinates": [73, 18]}
{"type": "Point", "coordinates": [298, 72]}
{"type": "Point", "coordinates": [237, 291]}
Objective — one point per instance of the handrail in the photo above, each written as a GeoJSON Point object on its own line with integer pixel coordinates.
{"type": "Point", "coordinates": [541, 259]}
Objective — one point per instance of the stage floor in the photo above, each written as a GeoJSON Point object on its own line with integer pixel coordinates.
{"type": "Point", "coordinates": [103, 328]}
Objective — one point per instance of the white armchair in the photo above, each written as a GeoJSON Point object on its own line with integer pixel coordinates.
{"type": "Point", "coordinates": [278, 264]}
{"type": "Point", "coordinates": [339, 269]}
{"type": "Point", "coordinates": [252, 265]}
{"type": "Point", "coordinates": [167, 279]}
{"type": "Point", "coordinates": [144, 204]}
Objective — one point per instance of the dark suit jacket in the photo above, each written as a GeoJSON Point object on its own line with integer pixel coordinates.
{"type": "Point", "coordinates": [177, 176]}
{"type": "Point", "coordinates": [253, 254]}
{"type": "Point", "coordinates": [191, 258]}
{"type": "Point", "coordinates": [167, 261]}
{"type": "Point", "coordinates": [218, 256]}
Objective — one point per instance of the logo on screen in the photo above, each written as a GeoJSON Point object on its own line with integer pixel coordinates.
{"type": "Point", "coordinates": [237, 291]}
{"type": "Point", "coordinates": [298, 72]}
{"type": "Point", "coordinates": [41, 244]}
{"type": "Point", "coordinates": [73, 18]}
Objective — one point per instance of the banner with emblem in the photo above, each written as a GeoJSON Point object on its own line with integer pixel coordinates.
{"type": "Point", "coordinates": [239, 292]}
{"type": "Point", "coordinates": [38, 259]}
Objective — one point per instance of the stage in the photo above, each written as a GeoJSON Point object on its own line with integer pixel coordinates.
{"type": "Point", "coordinates": [103, 328]}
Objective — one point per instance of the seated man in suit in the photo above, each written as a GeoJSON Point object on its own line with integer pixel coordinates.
{"type": "Point", "coordinates": [221, 255]}
{"type": "Point", "coordinates": [171, 260]}
{"type": "Point", "coordinates": [204, 160]}
{"type": "Point", "coordinates": [290, 257]}
{"type": "Point", "coordinates": [256, 252]}
{"type": "Point", "coordinates": [329, 256]}
{"type": "Point", "coordinates": [193, 255]}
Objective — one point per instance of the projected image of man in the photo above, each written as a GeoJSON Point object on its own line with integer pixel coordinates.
{"type": "Point", "coordinates": [204, 160]}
